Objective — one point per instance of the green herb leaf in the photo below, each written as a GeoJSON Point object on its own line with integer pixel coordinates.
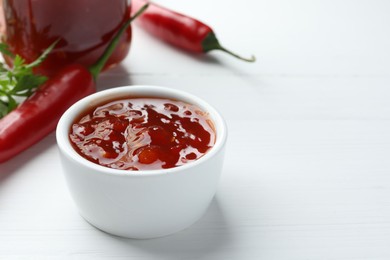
{"type": "Point", "coordinates": [3, 108]}
{"type": "Point", "coordinates": [20, 81]}
{"type": "Point", "coordinates": [12, 104]}
{"type": "Point", "coordinates": [5, 50]}
{"type": "Point", "coordinates": [26, 84]}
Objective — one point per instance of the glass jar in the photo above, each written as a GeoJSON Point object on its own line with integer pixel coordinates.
{"type": "Point", "coordinates": [84, 29]}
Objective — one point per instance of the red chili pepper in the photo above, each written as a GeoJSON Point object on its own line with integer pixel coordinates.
{"type": "Point", "coordinates": [180, 30]}
{"type": "Point", "coordinates": [38, 115]}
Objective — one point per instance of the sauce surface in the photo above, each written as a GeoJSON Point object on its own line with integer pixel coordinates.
{"type": "Point", "coordinates": [83, 27]}
{"type": "Point", "coordinates": [143, 133]}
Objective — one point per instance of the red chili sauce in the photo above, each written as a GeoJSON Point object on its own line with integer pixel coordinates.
{"type": "Point", "coordinates": [141, 133]}
{"type": "Point", "coordinates": [84, 29]}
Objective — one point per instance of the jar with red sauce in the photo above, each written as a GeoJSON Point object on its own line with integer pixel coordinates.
{"type": "Point", "coordinates": [83, 27]}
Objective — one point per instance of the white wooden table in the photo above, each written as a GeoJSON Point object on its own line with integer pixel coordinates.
{"type": "Point", "coordinates": [307, 171]}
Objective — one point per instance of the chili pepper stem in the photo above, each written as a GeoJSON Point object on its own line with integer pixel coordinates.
{"type": "Point", "coordinates": [97, 67]}
{"type": "Point", "coordinates": [211, 43]}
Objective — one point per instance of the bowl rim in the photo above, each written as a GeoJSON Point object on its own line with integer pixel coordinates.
{"type": "Point", "coordinates": [63, 127]}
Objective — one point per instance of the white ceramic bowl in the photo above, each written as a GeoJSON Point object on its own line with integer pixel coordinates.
{"type": "Point", "coordinates": [141, 204]}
